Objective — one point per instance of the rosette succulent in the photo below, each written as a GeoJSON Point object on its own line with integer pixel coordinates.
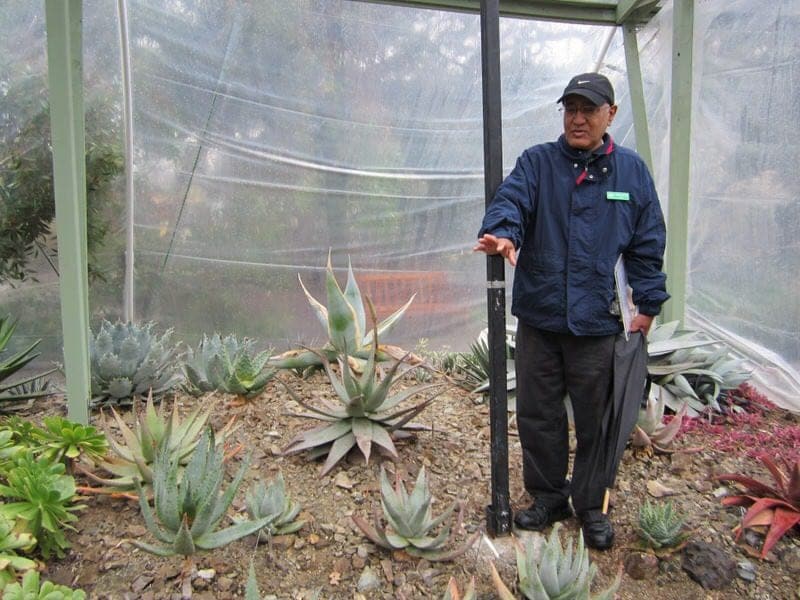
{"type": "Point", "coordinates": [272, 503]}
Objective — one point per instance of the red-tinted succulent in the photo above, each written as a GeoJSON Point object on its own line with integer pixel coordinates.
{"type": "Point", "coordinates": [776, 507]}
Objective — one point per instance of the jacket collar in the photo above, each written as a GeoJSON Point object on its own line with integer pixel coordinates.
{"type": "Point", "coordinates": [585, 155]}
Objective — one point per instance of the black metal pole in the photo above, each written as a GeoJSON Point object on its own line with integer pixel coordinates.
{"type": "Point", "coordinates": [498, 513]}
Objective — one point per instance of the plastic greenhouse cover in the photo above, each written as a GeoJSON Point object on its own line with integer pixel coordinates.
{"type": "Point", "coordinates": [268, 133]}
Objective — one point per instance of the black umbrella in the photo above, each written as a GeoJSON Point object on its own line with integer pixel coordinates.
{"type": "Point", "coordinates": [630, 378]}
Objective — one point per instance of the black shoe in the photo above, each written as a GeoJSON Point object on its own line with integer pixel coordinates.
{"type": "Point", "coordinates": [597, 530]}
{"type": "Point", "coordinates": [539, 516]}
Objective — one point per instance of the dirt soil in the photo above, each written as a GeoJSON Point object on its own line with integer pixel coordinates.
{"type": "Point", "coordinates": [329, 556]}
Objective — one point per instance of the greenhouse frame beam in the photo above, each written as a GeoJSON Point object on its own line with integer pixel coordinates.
{"type": "Point", "coordinates": [676, 263]}
{"type": "Point", "coordinates": [636, 88]}
{"type": "Point", "coordinates": [65, 76]}
{"type": "Point", "coordinates": [596, 12]}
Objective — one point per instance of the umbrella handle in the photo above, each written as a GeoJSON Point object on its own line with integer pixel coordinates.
{"type": "Point", "coordinates": [606, 499]}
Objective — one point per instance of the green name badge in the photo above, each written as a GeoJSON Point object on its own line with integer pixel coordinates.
{"type": "Point", "coordinates": [618, 196]}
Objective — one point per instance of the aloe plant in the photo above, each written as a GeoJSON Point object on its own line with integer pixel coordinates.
{"type": "Point", "coordinates": [189, 509]}
{"type": "Point", "coordinates": [63, 439]}
{"type": "Point", "coordinates": [661, 526]}
{"type": "Point", "coordinates": [272, 503]}
{"type": "Point", "coordinates": [128, 359]}
{"type": "Point", "coordinates": [228, 365]}
{"type": "Point", "coordinates": [10, 542]}
{"type": "Point", "coordinates": [410, 524]}
{"type": "Point", "coordinates": [32, 589]}
{"type": "Point", "coordinates": [650, 431]}
{"type": "Point", "coordinates": [44, 501]}
{"type": "Point", "coordinates": [558, 573]}
{"type": "Point", "coordinates": [134, 458]}
{"type": "Point", "coordinates": [345, 322]}
{"type": "Point", "coordinates": [251, 591]}
{"type": "Point", "coordinates": [8, 366]}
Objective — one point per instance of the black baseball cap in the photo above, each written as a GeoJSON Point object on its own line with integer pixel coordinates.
{"type": "Point", "coordinates": [592, 86]}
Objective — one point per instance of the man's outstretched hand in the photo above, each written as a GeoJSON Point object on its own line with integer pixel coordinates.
{"type": "Point", "coordinates": [490, 244]}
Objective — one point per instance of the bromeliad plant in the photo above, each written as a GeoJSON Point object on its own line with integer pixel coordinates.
{"type": "Point", "coordinates": [228, 365]}
{"type": "Point", "coordinates": [128, 359]}
{"type": "Point", "coordinates": [134, 458]}
{"type": "Point", "coordinates": [774, 507]}
{"type": "Point", "coordinates": [188, 509]}
{"type": "Point", "coordinates": [32, 589]}
{"type": "Point", "coordinates": [345, 322]}
{"type": "Point", "coordinates": [272, 503]}
{"type": "Point", "coordinates": [661, 527]}
{"type": "Point", "coordinates": [559, 573]}
{"type": "Point", "coordinates": [43, 503]}
{"type": "Point", "coordinates": [410, 524]}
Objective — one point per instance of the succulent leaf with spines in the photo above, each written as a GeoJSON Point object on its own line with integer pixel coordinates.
{"type": "Point", "coordinates": [660, 526]}
{"type": "Point", "coordinates": [410, 524]}
{"type": "Point", "coordinates": [651, 431]}
{"type": "Point", "coordinates": [188, 511]}
{"type": "Point", "coordinates": [558, 573]}
{"type": "Point", "coordinates": [20, 389]}
{"type": "Point", "coordinates": [129, 359]}
{"type": "Point", "coordinates": [272, 503]}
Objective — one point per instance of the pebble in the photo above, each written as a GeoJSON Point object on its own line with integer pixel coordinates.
{"type": "Point", "coordinates": [746, 570]}
{"type": "Point", "coordinates": [368, 580]}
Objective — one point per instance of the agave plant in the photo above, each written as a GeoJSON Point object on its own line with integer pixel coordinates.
{"type": "Point", "coordinates": [453, 593]}
{"type": "Point", "coordinates": [32, 589]}
{"type": "Point", "coordinates": [775, 507]}
{"type": "Point", "coordinates": [228, 365]}
{"type": "Point", "coordinates": [272, 503]}
{"type": "Point", "coordinates": [63, 439]}
{"type": "Point", "coordinates": [18, 390]}
{"type": "Point", "coordinates": [128, 359]}
{"type": "Point", "coordinates": [44, 501]}
{"type": "Point", "coordinates": [10, 561]}
{"type": "Point", "coordinates": [687, 367]}
{"type": "Point", "coordinates": [410, 524]}
{"type": "Point", "coordinates": [134, 458]}
{"type": "Point", "coordinates": [476, 363]}
{"type": "Point", "coordinates": [188, 511]}
{"type": "Point", "coordinates": [651, 432]}
{"type": "Point", "coordinates": [559, 573]}
{"type": "Point", "coordinates": [345, 322]}
{"type": "Point", "coordinates": [660, 526]}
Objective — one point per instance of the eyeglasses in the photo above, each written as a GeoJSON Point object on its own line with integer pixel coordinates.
{"type": "Point", "coordinates": [587, 110]}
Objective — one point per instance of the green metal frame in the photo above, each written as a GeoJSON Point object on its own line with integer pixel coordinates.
{"type": "Point", "coordinates": [64, 33]}
{"type": "Point", "coordinates": [65, 73]}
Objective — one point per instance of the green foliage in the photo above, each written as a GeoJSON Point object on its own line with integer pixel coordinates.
{"type": "Point", "coordinates": [227, 365]}
{"type": "Point", "coordinates": [12, 364]}
{"type": "Point", "coordinates": [189, 510]}
{"type": "Point", "coordinates": [251, 591]}
{"type": "Point", "coordinates": [26, 180]}
{"type": "Point", "coordinates": [44, 501]}
{"type": "Point", "coordinates": [62, 438]}
{"type": "Point", "coordinates": [345, 322]}
{"type": "Point", "coordinates": [366, 414]}
{"type": "Point", "coordinates": [134, 458]}
{"type": "Point", "coordinates": [272, 503]}
{"type": "Point", "coordinates": [660, 526]}
{"type": "Point", "coordinates": [410, 524]}
{"type": "Point", "coordinates": [10, 561]}
{"type": "Point", "coordinates": [558, 573]}
{"type": "Point", "coordinates": [31, 589]}
{"type": "Point", "coordinates": [128, 360]}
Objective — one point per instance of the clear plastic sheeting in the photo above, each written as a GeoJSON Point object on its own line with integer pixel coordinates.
{"type": "Point", "coordinates": [270, 133]}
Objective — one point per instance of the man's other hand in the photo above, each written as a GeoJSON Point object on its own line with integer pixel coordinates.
{"type": "Point", "coordinates": [490, 244]}
{"type": "Point", "coordinates": [642, 323]}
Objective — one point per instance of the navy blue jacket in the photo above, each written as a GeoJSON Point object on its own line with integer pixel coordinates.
{"type": "Point", "coordinates": [570, 214]}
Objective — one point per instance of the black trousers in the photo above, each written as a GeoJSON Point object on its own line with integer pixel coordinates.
{"type": "Point", "coordinates": [550, 365]}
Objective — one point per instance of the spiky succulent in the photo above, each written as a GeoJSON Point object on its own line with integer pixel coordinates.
{"type": "Point", "coordinates": [11, 364]}
{"type": "Point", "coordinates": [32, 589]}
{"type": "Point", "coordinates": [228, 365]}
{"type": "Point", "coordinates": [134, 458]}
{"type": "Point", "coordinates": [129, 359]}
{"type": "Point", "coordinates": [651, 431]}
{"type": "Point", "coordinates": [272, 503]}
{"type": "Point", "coordinates": [188, 510]}
{"type": "Point", "coordinates": [366, 414]}
{"type": "Point", "coordinates": [251, 591]}
{"type": "Point", "coordinates": [558, 573]}
{"type": "Point", "coordinates": [660, 526]}
{"type": "Point", "coordinates": [10, 542]}
{"type": "Point", "coordinates": [410, 524]}
{"type": "Point", "coordinates": [43, 501]}
{"type": "Point", "coordinates": [63, 439]}
{"type": "Point", "coordinates": [345, 322]}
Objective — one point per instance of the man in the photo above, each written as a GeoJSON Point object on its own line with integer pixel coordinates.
{"type": "Point", "coordinates": [562, 217]}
